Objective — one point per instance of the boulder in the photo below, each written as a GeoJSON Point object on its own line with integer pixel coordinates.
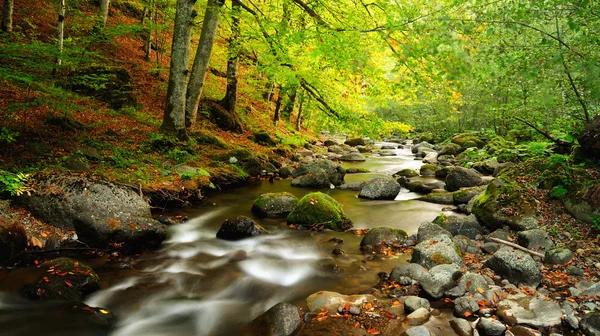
{"type": "Point", "coordinates": [356, 186]}
{"type": "Point", "coordinates": [465, 306]}
{"type": "Point", "coordinates": [473, 283]}
{"type": "Point", "coordinates": [461, 177]}
{"type": "Point", "coordinates": [274, 205]}
{"type": "Point", "coordinates": [103, 214]}
{"type": "Point", "coordinates": [490, 327]}
{"type": "Point", "coordinates": [436, 251]}
{"type": "Point", "coordinates": [461, 327]}
{"type": "Point", "coordinates": [440, 279]}
{"type": "Point", "coordinates": [590, 324]}
{"type": "Point", "coordinates": [331, 301]}
{"type": "Point", "coordinates": [465, 244]}
{"type": "Point", "coordinates": [558, 256]}
{"type": "Point", "coordinates": [532, 311]}
{"type": "Point", "coordinates": [516, 266]}
{"type": "Point", "coordinates": [438, 198]}
{"type": "Point", "coordinates": [317, 179]}
{"type": "Point", "coordinates": [418, 317]}
{"type": "Point", "coordinates": [486, 167]}
{"type": "Point", "coordinates": [329, 172]}
{"type": "Point", "coordinates": [112, 85]}
{"type": "Point", "coordinates": [283, 319]}
{"type": "Point", "coordinates": [261, 137]}
{"type": "Point", "coordinates": [331, 142]}
{"type": "Point", "coordinates": [420, 145]}
{"type": "Point", "coordinates": [412, 303]}
{"type": "Point", "coordinates": [246, 160]}
{"type": "Point", "coordinates": [424, 187]}
{"type": "Point", "coordinates": [489, 207]}
{"type": "Point", "coordinates": [383, 235]}
{"type": "Point", "coordinates": [335, 149]}
{"type": "Point", "coordinates": [466, 140]}
{"type": "Point", "coordinates": [589, 139]}
{"type": "Point", "coordinates": [536, 239]}
{"type": "Point", "coordinates": [431, 157]}
{"type": "Point", "coordinates": [319, 209]}
{"type": "Point", "coordinates": [239, 227]}
{"type": "Point", "coordinates": [580, 207]}
{"type": "Point", "coordinates": [412, 271]}
{"type": "Point", "coordinates": [451, 149]}
{"type": "Point", "coordinates": [443, 172]}
{"type": "Point", "coordinates": [407, 172]}
{"type": "Point", "coordinates": [380, 188]}
{"type": "Point", "coordinates": [63, 279]}
{"type": "Point", "coordinates": [428, 170]}
{"type": "Point", "coordinates": [353, 157]}
{"type": "Point", "coordinates": [463, 196]}
{"type": "Point", "coordinates": [417, 331]}
{"type": "Point", "coordinates": [356, 142]}
{"type": "Point", "coordinates": [428, 230]}
{"type": "Point", "coordinates": [467, 226]}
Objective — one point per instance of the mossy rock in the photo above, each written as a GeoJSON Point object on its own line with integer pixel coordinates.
{"type": "Point", "coordinates": [505, 204]}
{"type": "Point", "coordinates": [319, 209]}
{"type": "Point", "coordinates": [206, 138]}
{"type": "Point", "coordinates": [464, 140]}
{"type": "Point", "coordinates": [249, 162]}
{"type": "Point", "coordinates": [274, 205]}
{"type": "Point", "coordinates": [64, 279]}
{"type": "Point", "coordinates": [451, 149]}
{"type": "Point", "coordinates": [383, 235]}
{"type": "Point", "coordinates": [407, 172]}
{"type": "Point", "coordinates": [261, 137]}
{"type": "Point", "coordinates": [429, 169]}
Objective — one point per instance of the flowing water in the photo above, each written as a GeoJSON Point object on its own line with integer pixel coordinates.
{"type": "Point", "coordinates": [199, 285]}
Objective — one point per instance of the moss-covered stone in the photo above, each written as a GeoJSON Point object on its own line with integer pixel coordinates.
{"type": "Point", "coordinates": [206, 138]}
{"type": "Point", "coordinates": [505, 204]}
{"type": "Point", "coordinates": [261, 137]}
{"type": "Point", "coordinates": [466, 139]}
{"type": "Point", "coordinates": [407, 172]}
{"type": "Point", "coordinates": [383, 235]}
{"type": "Point", "coordinates": [319, 209]}
{"type": "Point", "coordinates": [274, 205]}
{"type": "Point", "coordinates": [451, 149]}
{"type": "Point", "coordinates": [64, 279]}
{"type": "Point", "coordinates": [429, 169]}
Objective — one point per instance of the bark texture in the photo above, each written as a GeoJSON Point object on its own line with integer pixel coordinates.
{"type": "Point", "coordinates": [7, 14]}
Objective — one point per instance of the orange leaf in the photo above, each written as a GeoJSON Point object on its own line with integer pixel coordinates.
{"type": "Point", "coordinates": [396, 303]}
{"type": "Point", "coordinates": [368, 305]}
{"type": "Point", "coordinates": [480, 290]}
{"type": "Point", "coordinates": [373, 331]}
{"type": "Point", "coordinates": [467, 314]}
{"type": "Point", "coordinates": [68, 283]}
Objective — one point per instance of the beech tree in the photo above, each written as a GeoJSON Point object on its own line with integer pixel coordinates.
{"type": "Point", "coordinates": [104, 8]}
{"type": "Point", "coordinates": [7, 14]}
{"type": "Point", "coordinates": [174, 116]}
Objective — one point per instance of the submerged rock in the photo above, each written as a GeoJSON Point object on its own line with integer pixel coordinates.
{"type": "Point", "coordinates": [383, 235]}
{"type": "Point", "coordinates": [316, 209]}
{"type": "Point", "coordinates": [239, 227]}
{"type": "Point", "coordinates": [274, 205]}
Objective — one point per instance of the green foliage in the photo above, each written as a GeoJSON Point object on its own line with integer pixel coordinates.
{"type": "Point", "coordinates": [122, 158]}
{"type": "Point", "coordinates": [198, 173]}
{"type": "Point", "coordinates": [293, 141]}
{"type": "Point", "coordinates": [539, 148]}
{"type": "Point", "coordinates": [239, 171]}
{"type": "Point", "coordinates": [7, 135]}
{"type": "Point", "coordinates": [180, 156]}
{"type": "Point", "coordinates": [596, 222]}
{"type": "Point", "coordinates": [14, 183]}
{"type": "Point", "coordinates": [558, 191]}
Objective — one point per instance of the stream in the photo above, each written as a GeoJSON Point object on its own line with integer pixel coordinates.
{"type": "Point", "coordinates": [199, 285]}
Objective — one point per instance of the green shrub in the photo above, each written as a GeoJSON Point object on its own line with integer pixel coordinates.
{"type": "Point", "coordinates": [14, 183]}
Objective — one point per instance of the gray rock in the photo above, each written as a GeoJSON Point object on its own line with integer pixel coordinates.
{"type": "Point", "coordinates": [280, 320]}
{"type": "Point", "coordinates": [330, 301]}
{"type": "Point", "coordinates": [473, 282]}
{"type": "Point", "coordinates": [417, 331]}
{"type": "Point", "coordinates": [317, 179]}
{"type": "Point", "coordinates": [274, 205]}
{"type": "Point", "coordinates": [412, 303]}
{"type": "Point", "coordinates": [418, 317]}
{"type": "Point", "coordinates": [331, 142]}
{"type": "Point", "coordinates": [491, 327]}
{"type": "Point", "coordinates": [333, 174]}
{"type": "Point", "coordinates": [413, 271]}
{"type": "Point", "coordinates": [239, 227]}
{"type": "Point", "coordinates": [380, 188]}
{"type": "Point", "coordinates": [428, 230]}
{"type": "Point", "coordinates": [438, 198]}
{"type": "Point", "coordinates": [487, 167]}
{"type": "Point", "coordinates": [516, 266]}
{"type": "Point", "coordinates": [535, 239]}
{"type": "Point", "coordinates": [436, 251]}
{"type": "Point", "coordinates": [356, 186]}
{"type": "Point", "coordinates": [592, 290]}
{"type": "Point", "coordinates": [532, 311]}
{"type": "Point", "coordinates": [462, 177]}
{"type": "Point", "coordinates": [354, 310]}
{"type": "Point", "coordinates": [456, 292]}
{"type": "Point", "coordinates": [461, 327]}
{"type": "Point", "coordinates": [440, 279]}
{"type": "Point", "coordinates": [424, 187]}
{"type": "Point", "coordinates": [558, 256]}
{"type": "Point", "coordinates": [285, 172]}
{"type": "Point", "coordinates": [431, 157]}
{"type": "Point", "coordinates": [385, 235]}
{"type": "Point", "coordinates": [467, 245]}
{"type": "Point", "coordinates": [102, 213]}
{"type": "Point", "coordinates": [463, 225]}
{"type": "Point", "coordinates": [463, 196]}
{"type": "Point", "coordinates": [465, 306]}
{"type": "Point", "coordinates": [451, 149]}
{"type": "Point", "coordinates": [356, 142]}
{"type": "Point", "coordinates": [353, 157]}
{"type": "Point", "coordinates": [428, 170]}
{"type": "Point", "coordinates": [590, 324]}
{"type": "Point", "coordinates": [572, 321]}
{"type": "Point", "coordinates": [407, 173]}
{"type": "Point", "coordinates": [490, 247]}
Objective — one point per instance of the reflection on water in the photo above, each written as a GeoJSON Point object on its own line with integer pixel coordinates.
{"type": "Point", "coordinates": [199, 285]}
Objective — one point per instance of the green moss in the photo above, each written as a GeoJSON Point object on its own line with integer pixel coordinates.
{"type": "Point", "coordinates": [357, 170]}
{"type": "Point", "coordinates": [319, 209]}
{"type": "Point", "coordinates": [441, 219]}
{"type": "Point", "coordinates": [439, 259]}
{"type": "Point", "coordinates": [210, 139]}
{"type": "Point", "coordinates": [467, 138]}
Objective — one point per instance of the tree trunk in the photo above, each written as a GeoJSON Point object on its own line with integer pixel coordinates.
{"type": "Point", "coordinates": [61, 30]}
{"type": "Point", "coordinates": [174, 116]}
{"type": "Point", "coordinates": [7, 14]}
{"type": "Point", "coordinates": [104, 7]}
{"type": "Point", "coordinates": [148, 30]}
{"type": "Point", "coordinates": [300, 108]}
{"type": "Point", "coordinates": [230, 99]}
{"type": "Point", "coordinates": [205, 46]}
{"type": "Point", "coordinates": [278, 105]}
{"type": "Point", "coordinates": [289, 106]}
